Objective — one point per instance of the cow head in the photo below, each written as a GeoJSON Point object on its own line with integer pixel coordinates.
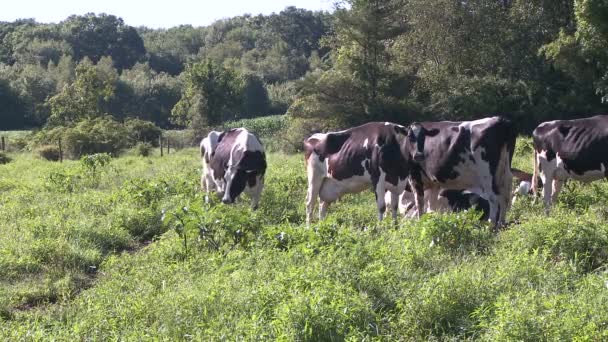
{"type": "Point", "coordinates": [243, 169]}
{"type": "Point", "coordinates": [413, 144]}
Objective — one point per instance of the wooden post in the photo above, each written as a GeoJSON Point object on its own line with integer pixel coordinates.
{"type": "Point", "coordinates": [60, 152]}
{"type": "Point", "coordinates": [167, 145]}
{"type": "Point", "coordinates": [2, 145]}
{"type": "Point", "coordinates": [160, 143]}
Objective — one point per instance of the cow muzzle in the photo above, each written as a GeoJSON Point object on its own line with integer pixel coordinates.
{"type": "Point", "coordinates": [227, 200]}
{"type": "Point", "coordinates": [418, 157]}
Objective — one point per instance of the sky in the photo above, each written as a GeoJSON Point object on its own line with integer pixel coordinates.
{"type": "Point", "coordinates": [152, 13]}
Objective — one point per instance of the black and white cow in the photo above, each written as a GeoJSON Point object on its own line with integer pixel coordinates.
{"type": "Point", "coordinates": [462, 155]}
{"type": "Point", "coordinates": [565, 149]}
{"type": "Point", "coordinates": [352, 160]}
{"type": "Point", "coordinates": [236, 163]}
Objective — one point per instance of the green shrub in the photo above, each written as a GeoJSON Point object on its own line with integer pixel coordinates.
{"type": "Point", "coordinates": [4, 159]}
{"type": "Point", "coordinates": [49, 152]}
{"type": "Point", "coordinates": [99, 135]}
{"type": "Point", "coordinates": [143, 149]}
{"type": "Point", "coordinates": [143, 131]}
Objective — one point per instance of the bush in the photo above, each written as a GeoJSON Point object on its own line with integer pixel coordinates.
{"type": "Point", "coordinates": [143, 131]}
{"type": "Point", "coordinates": [297, 130]}
{"type": "Point", "coordinates": [99, 135]}
{"type": "Point", "coordinates": [49, 152]}
{"type": "Point", "coordinates": [143, 149]}
{"type": "Point", "coordinates": [4, 159]}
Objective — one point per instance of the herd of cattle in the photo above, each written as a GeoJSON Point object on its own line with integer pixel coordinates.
{"type": "Point", "coordinates": [427, 166]}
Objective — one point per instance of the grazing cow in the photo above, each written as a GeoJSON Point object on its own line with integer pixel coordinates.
{"type": "Point", "coordinates": [462, 155]}
{"type": "Point", "coordinates": [352, 160]}
{"type": "Point", "coordinates": [451, 200]}
{"type": "Point", "coordinates": [236, 162]}
{"type": "Point", "coordinates": [565, 149]}
{"type": "Point", "coordinates": [207, 147]}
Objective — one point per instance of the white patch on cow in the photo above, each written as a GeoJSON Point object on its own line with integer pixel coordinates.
{"type": "Point", "coordinates": [470, 124]}
{"type": "Point", "coordinates": [207, 146]}
{"type": "Point", "coordinates": [386, 123]}
{"type": "Point", "coordinates": [547, 175]}
{"type": "Point", "coordinates": [317, 136]}
{"type": "Point", "coordinates": [365, 142]}
{"type": "Point", "coordinates": [416, 128]}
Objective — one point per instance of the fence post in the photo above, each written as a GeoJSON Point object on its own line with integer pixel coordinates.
{"type": "Point", "coordinates": [160, 144]}
{"type": "Point", "coordinates": [60, 152]}
{"type": "Point", "coordinates": [2, 145]}
{"type": "Point", "coordinates": [167, 145]}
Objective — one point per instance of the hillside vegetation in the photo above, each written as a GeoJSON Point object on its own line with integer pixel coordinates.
{"type": "Point", "coordinates": [124, 248]}
{"type": "Point", "coordinates": [395, 60]}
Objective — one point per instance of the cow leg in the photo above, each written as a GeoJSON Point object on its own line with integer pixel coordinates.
{"type": "Point", "coordinates": [208, 185]}
{"type": "Point", "coordinates": [315, 181]}
{"type": "Point", "coordinates": [432, 200]}
{"type": "Point", "coordinates": [256, 192]}
{"type": "Point", "coordinates": [380, 190]}
{"type": "Point", "coordinates": [557, 187]}
{"type": "Point", "coordinates": [395, 204]}
{"type": "Point", "coordinates": [547, 170]}
{"type": "Point", "coordinates": [418, 197]}
{"type": "Point", "coordinates": [323, 206]}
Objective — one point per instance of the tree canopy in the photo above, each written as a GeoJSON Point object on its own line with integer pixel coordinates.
{"type": "Point", "coordinates": [398, 60]}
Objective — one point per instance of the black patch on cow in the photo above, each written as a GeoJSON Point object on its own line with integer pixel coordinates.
{"type": "Point", "coordinates": [458, 200]}
{"type": "Point", "coordinates": [580, 143]}
{"type": "Point", "coordinates": [221, 155]}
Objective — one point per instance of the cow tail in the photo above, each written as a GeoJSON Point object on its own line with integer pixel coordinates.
{"type": "Point", "coordinates": [535, 174]}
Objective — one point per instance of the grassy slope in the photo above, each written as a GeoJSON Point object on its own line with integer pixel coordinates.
{"type": "Point", "coordinates": [263, 275]}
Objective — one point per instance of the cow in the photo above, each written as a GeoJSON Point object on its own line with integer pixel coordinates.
{"type": "Point", "coordinates": [569, 149]}
{"type": "Point", "coordinates": [236, 163]}
{"type": "Point", "coordinates": [352, 160]}
{"type": "Point", "coordinates": [462, 155]}
{"type": "Point", "coordinates": [449, 200]}
{"type": "Point", "coordinates": [207, 147]}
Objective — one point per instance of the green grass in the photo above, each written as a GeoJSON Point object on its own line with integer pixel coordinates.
{"type": "Point", "coordinates": [128, 251]}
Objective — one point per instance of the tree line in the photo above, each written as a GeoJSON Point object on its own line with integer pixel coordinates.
{"type": "Point", "coordinates": [398, 60]}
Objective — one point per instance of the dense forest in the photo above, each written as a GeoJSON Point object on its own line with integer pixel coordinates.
{"type": "Point", "coordinates": [398, 60]}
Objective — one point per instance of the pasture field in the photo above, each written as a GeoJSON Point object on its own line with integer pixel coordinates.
{"type": "Point", "coordinates": [125, 249]}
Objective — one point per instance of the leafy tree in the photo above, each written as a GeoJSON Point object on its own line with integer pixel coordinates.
{"type": "Point", "coordinates": [86, 98]}
{"type": "Point", "coordinates": [212, 94]}
{"type": "Point", "coordinates": [255, 96]}
{"type": "Point", "coordinates": [169, 50]}
{"type": "Point", "coordinates": [95, 36]}
{"type": "Point", "coordinates": [583, 54]}
{"type": "Point", "coordinates": [12, 111]}
{"type": "Point", "coordinates": [149, 95]}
